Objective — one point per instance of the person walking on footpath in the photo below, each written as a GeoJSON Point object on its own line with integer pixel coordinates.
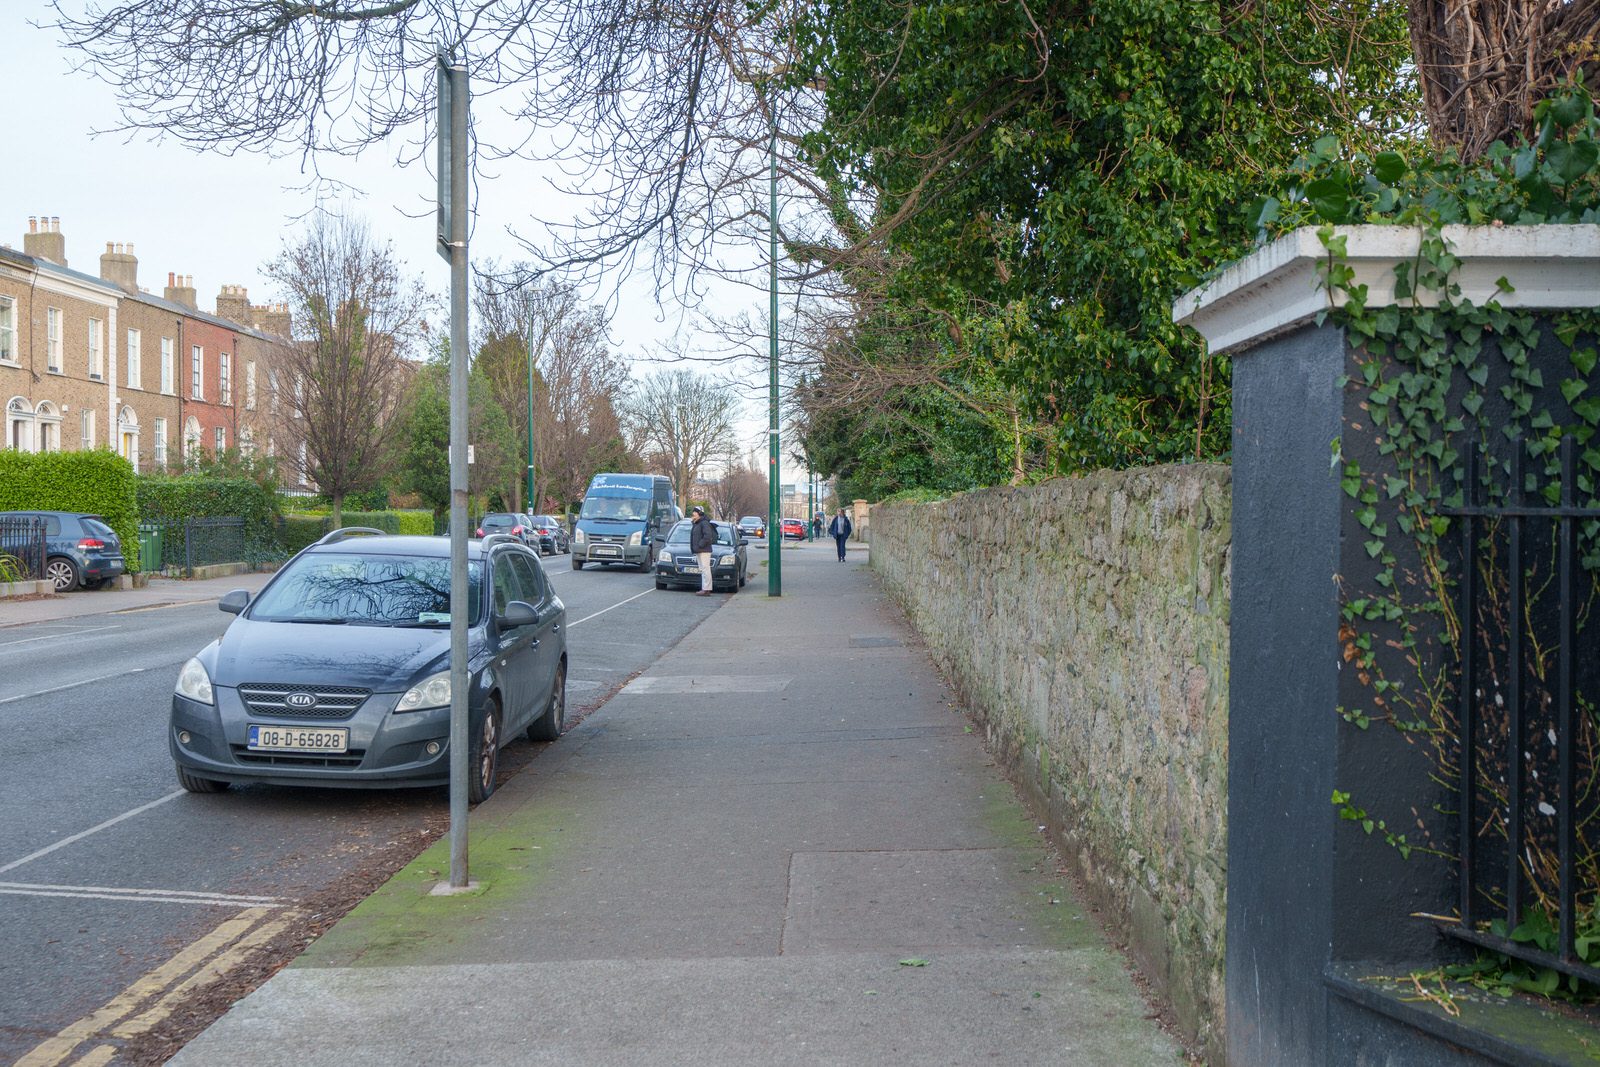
{"type": "Point", "coordinates": [840, 529]}
{"type": "Point", "coordinates": [816, 526]}
{"type": "Point", "coordinates": [702, 536]}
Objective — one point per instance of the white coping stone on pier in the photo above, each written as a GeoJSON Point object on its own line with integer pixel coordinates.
{"type": "Point", "coordinates": [1279, 286]}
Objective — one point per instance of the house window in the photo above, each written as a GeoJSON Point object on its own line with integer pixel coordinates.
{"type": "Point", "coordinates": [167, 369]}
{"type": "Point", "coordinates": [225, 378]}
{"type": "Point", "coordinates": [191, 437]}
{"type": "Point", "coordinates": [160, 446]}
{"type": "Point", "coordinates": [97, 355]}
{"type": "Point", "coordinates": [247, 442]}
{"type": "Point", "coordinates": [196, 374]}
{"type": "Point", "coordinates": [250, 386]}
{"type": "Point", "coordinates": [52, 337]}
{"type": "Point", "coordinates": [86, 426]}
{"type": "Point", "coordinates": [272, 387]}
{"type": "Point", "coordinates": [133, 359]}
{"type": "Point", "coordinates": [222, 439]}
{"type": "Point", "coordinates": [8, 329]}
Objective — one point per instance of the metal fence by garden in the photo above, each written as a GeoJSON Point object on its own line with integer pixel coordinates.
{"type": "Point", "coordinates": [23, 540]}
{"type": "Point", "coordinates": [177, 548]}
{"type": "Point", "coordinates": [1529, 719]}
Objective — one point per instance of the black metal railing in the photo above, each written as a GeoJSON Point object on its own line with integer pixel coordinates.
{"type": "Point", "coordinates": [1526, 705]}
{"type": "Point", "coordinates": [23, 540]}
{"type": "Point", "coordinates": [176, 547]}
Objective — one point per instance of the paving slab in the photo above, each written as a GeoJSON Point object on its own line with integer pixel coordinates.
{"type": "Point", "coordinates": [782, 843]}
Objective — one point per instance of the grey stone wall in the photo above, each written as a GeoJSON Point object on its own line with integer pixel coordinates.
{"type": "Point", "coordinates": [1085, 622]}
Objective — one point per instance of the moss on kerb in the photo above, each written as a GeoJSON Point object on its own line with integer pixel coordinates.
{"type": "Point", "coordinates": [404, 924]}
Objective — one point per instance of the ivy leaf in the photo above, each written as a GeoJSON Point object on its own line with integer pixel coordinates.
{"type": "Point", "coordinates": [1389, 167]}
{"type": "Point", "coordinates": [1571, 387]}
{"type": "Point", "coordinates": [1330, 198]}
{"type": "Point", "coordinates": [1583, 360]}
{"type": "Point", "coordinates": [1571, 161]}
{"type": "Point", "coordinates": [1471, 403]}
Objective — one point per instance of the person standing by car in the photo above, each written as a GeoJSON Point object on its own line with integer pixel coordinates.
{"type": "Point", "coordinates": [840, 529]}
{"type": "Point", "coordinates": [702, 537]}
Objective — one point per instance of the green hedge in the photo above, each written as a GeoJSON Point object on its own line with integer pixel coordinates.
{"type": "Point", "coordinates": [169, 501]}
{"type": "Point", "coordinates": [417, 523]}
{"type": "Point", "coordinates": [97, 481]}
{"type": "Point", "coordinates": [302, 528]}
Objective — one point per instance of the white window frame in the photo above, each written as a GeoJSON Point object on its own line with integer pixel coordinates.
{"type": "Point", "coordinates": [250, 385]}
{"type": "Point", "coordinates": [52, 342]}
{"type": "Point", "coordinates": [8, 329]}
{"type": "Point", "coordinates": [191, 437]}
{"type": "Point", "coordinates": [158, 452]}
{"type": "Point", "coordinates": [225, 378]}
{"type": "Point", "coordinates": [86, 428]}
{"type": "Point", "coordinates": [168, 366]}
{"type": "Point", "coordinates": [197, 373]}
{"type": "Point", "coordinates": [97, 350]}
{"type": "Point", "coordinates": [221, 440]}
{"type": "Point", "coordinates": [135, 372]}
{"type": "Point", "coordinates": [20, 425]}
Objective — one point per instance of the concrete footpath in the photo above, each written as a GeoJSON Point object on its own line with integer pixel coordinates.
{"type": "Point", "coordinates": [779, 845]}
{"type": "Point", "coordinates": [159, 593]}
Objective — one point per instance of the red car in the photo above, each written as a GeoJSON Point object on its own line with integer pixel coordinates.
{"type": "Point", "coordinates": [794, 530]}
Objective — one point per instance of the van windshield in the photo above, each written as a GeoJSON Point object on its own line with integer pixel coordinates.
{"type": "Point", "coordinates": [632, 508]}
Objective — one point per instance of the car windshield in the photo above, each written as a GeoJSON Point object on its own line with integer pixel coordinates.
{"type": "Point", "coordinates": [635, 508]}
{"type": "Point", "coordinates": [500, 520]}
{"type": "Point", "coordinates": [371, 590]}
{"type": "Point", "coordinates": [680, 533]}
{"type": "Point", "coordinates": [750, 520]}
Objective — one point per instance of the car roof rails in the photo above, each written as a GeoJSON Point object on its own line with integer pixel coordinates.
{"type": "Point", "coordinates": [345, 532]}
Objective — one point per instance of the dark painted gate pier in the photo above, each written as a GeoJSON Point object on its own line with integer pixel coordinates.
{"type": "Point", "coordinates": [1320, 912]}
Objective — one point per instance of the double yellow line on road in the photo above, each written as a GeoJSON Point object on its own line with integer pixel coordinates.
{"type": "Point", "coordinates": [153, 997]}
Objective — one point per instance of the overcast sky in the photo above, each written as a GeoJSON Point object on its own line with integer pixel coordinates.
{"type": "Point", "coordinates": [220, 218]}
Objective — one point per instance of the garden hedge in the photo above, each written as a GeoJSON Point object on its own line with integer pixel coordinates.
{"type": "Point", "coordinates": [97, 481]}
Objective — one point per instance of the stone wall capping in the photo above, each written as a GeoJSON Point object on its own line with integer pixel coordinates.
{"type": "Point", "coordinates": [1279, 286]}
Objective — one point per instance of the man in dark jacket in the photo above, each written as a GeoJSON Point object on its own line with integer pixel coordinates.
{"type": "Point", "coordinates": [840, 529]}
{"type": "Point", "coordinates": [702, 537]}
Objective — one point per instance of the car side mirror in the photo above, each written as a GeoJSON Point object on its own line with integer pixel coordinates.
{"type": "Point", "coordinates": [744, 540]}
{"type": "Point", "coordinates": [518, 613]}
{"type": "Point", "coordinates": [235, 601]}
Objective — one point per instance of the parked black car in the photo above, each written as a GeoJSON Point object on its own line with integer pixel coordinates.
{"type": "Point", "coordinates": [338, 673]}
{"type": "Point", "coordinates": [80, 549]}
{"type": "Point", "coordinates": [552, 535]}
{"type": "Point", "coordinates": [730, 560]}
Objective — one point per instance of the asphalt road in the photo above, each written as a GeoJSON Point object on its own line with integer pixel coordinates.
{"type": "Point", "coordinates": [108, 870]}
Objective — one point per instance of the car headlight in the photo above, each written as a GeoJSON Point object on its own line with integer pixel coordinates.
{"type": "Point", "coordinates": [636, 538]}
{"type": "Point", "coordinates": [194, 683]}
{"type": "Point", "coordinates": [728, 560]}
{"type": "Point", "coordinates": [432, 692]}
{"type": "Point", "coordinates": [577, 537]}
{"type": "Point", "coordinates": [664, 556]}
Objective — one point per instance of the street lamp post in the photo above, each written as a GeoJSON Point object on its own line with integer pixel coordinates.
{"type": "Point", "coordinates": [531, 502]}
{"type": "Point", "coordinates": [775, 520]}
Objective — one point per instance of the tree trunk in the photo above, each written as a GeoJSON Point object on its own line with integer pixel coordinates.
{"type": "Point", "coordinates": [338, 510]}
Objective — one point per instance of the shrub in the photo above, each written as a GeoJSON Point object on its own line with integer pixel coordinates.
{"type": "Point", "coordinates": [171, 501]}
{"type": "Point", "coordinates": [97, 481]}
{"type": "Point", "coordinates": [417, 523]}
{"type": "Point", "coordinates": [297, 531]}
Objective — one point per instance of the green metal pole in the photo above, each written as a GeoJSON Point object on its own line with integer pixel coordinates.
{"type": "Point", "coordinates": [811, 497]}
{"type": "Point", "coordinates": [775, 519]}
{"type": "Point", "coordinates": [531, 502]}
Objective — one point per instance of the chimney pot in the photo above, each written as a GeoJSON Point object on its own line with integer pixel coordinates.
{"type": "Point", "coordinates": [55, 223]}
{"type": "Point", "coordinates": [110, 248]}
{"type": "Point", "coordinates": [172, 280]}
{"type": "Point", "coordinates": [33, 224]}
{"type": "Point", "coordinates": [130, 248]}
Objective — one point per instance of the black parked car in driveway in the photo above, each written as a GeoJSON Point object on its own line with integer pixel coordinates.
{"type": "Point", "coordinates": [730, 560]}
{"type": "Point", "coordinates": [338, 672]}
{"type": "Point", "coordinates": [552, 535]}
{"type": "Point", "coordinates": [80, 549]}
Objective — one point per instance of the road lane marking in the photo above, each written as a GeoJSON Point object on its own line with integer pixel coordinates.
{"type": "Point", "coordinates": [613, 607]}
{"type": "Point", "coordinates": [170, 896]}
{"type": "Point", "coordinates": [97, 1057]}
{"type": "Point", "coordinates": [55, 637]}
{"type": "Point", "coordinates": [53, 1050]}
{"type": "Point", "coordinates": [74, 685]}
{"type": "Point", "coordinates": [65, 841]}
{"type": "Point", "coordinates": [220, 965]}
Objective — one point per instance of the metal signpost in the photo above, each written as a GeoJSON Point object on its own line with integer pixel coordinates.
{"type": "Point", "coordinates": [774, 517]}
{"type": "Point", "coordinates": [532, 504]}
{"type": "Point", "coordinates": [452, 235]}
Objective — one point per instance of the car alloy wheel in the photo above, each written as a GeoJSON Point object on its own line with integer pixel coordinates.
{"type": "Point", "coordinates": [485, 755]}
{"type": "Point", "coordinates": [547, 727]}
{"type": "Point", "coordinates": [63, 574]}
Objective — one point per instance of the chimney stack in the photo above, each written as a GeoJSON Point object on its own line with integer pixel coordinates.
{"type": "Point", "coordinates": [270, 318]}
{"type": "Point", "coordinates": [119, 266]}
{"type": "Point", "coordinates": [234, 303]}
{"type": "Point", "coordinates": [180, 290]}
{"type": "Point", "coordinates": [44, 241]}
